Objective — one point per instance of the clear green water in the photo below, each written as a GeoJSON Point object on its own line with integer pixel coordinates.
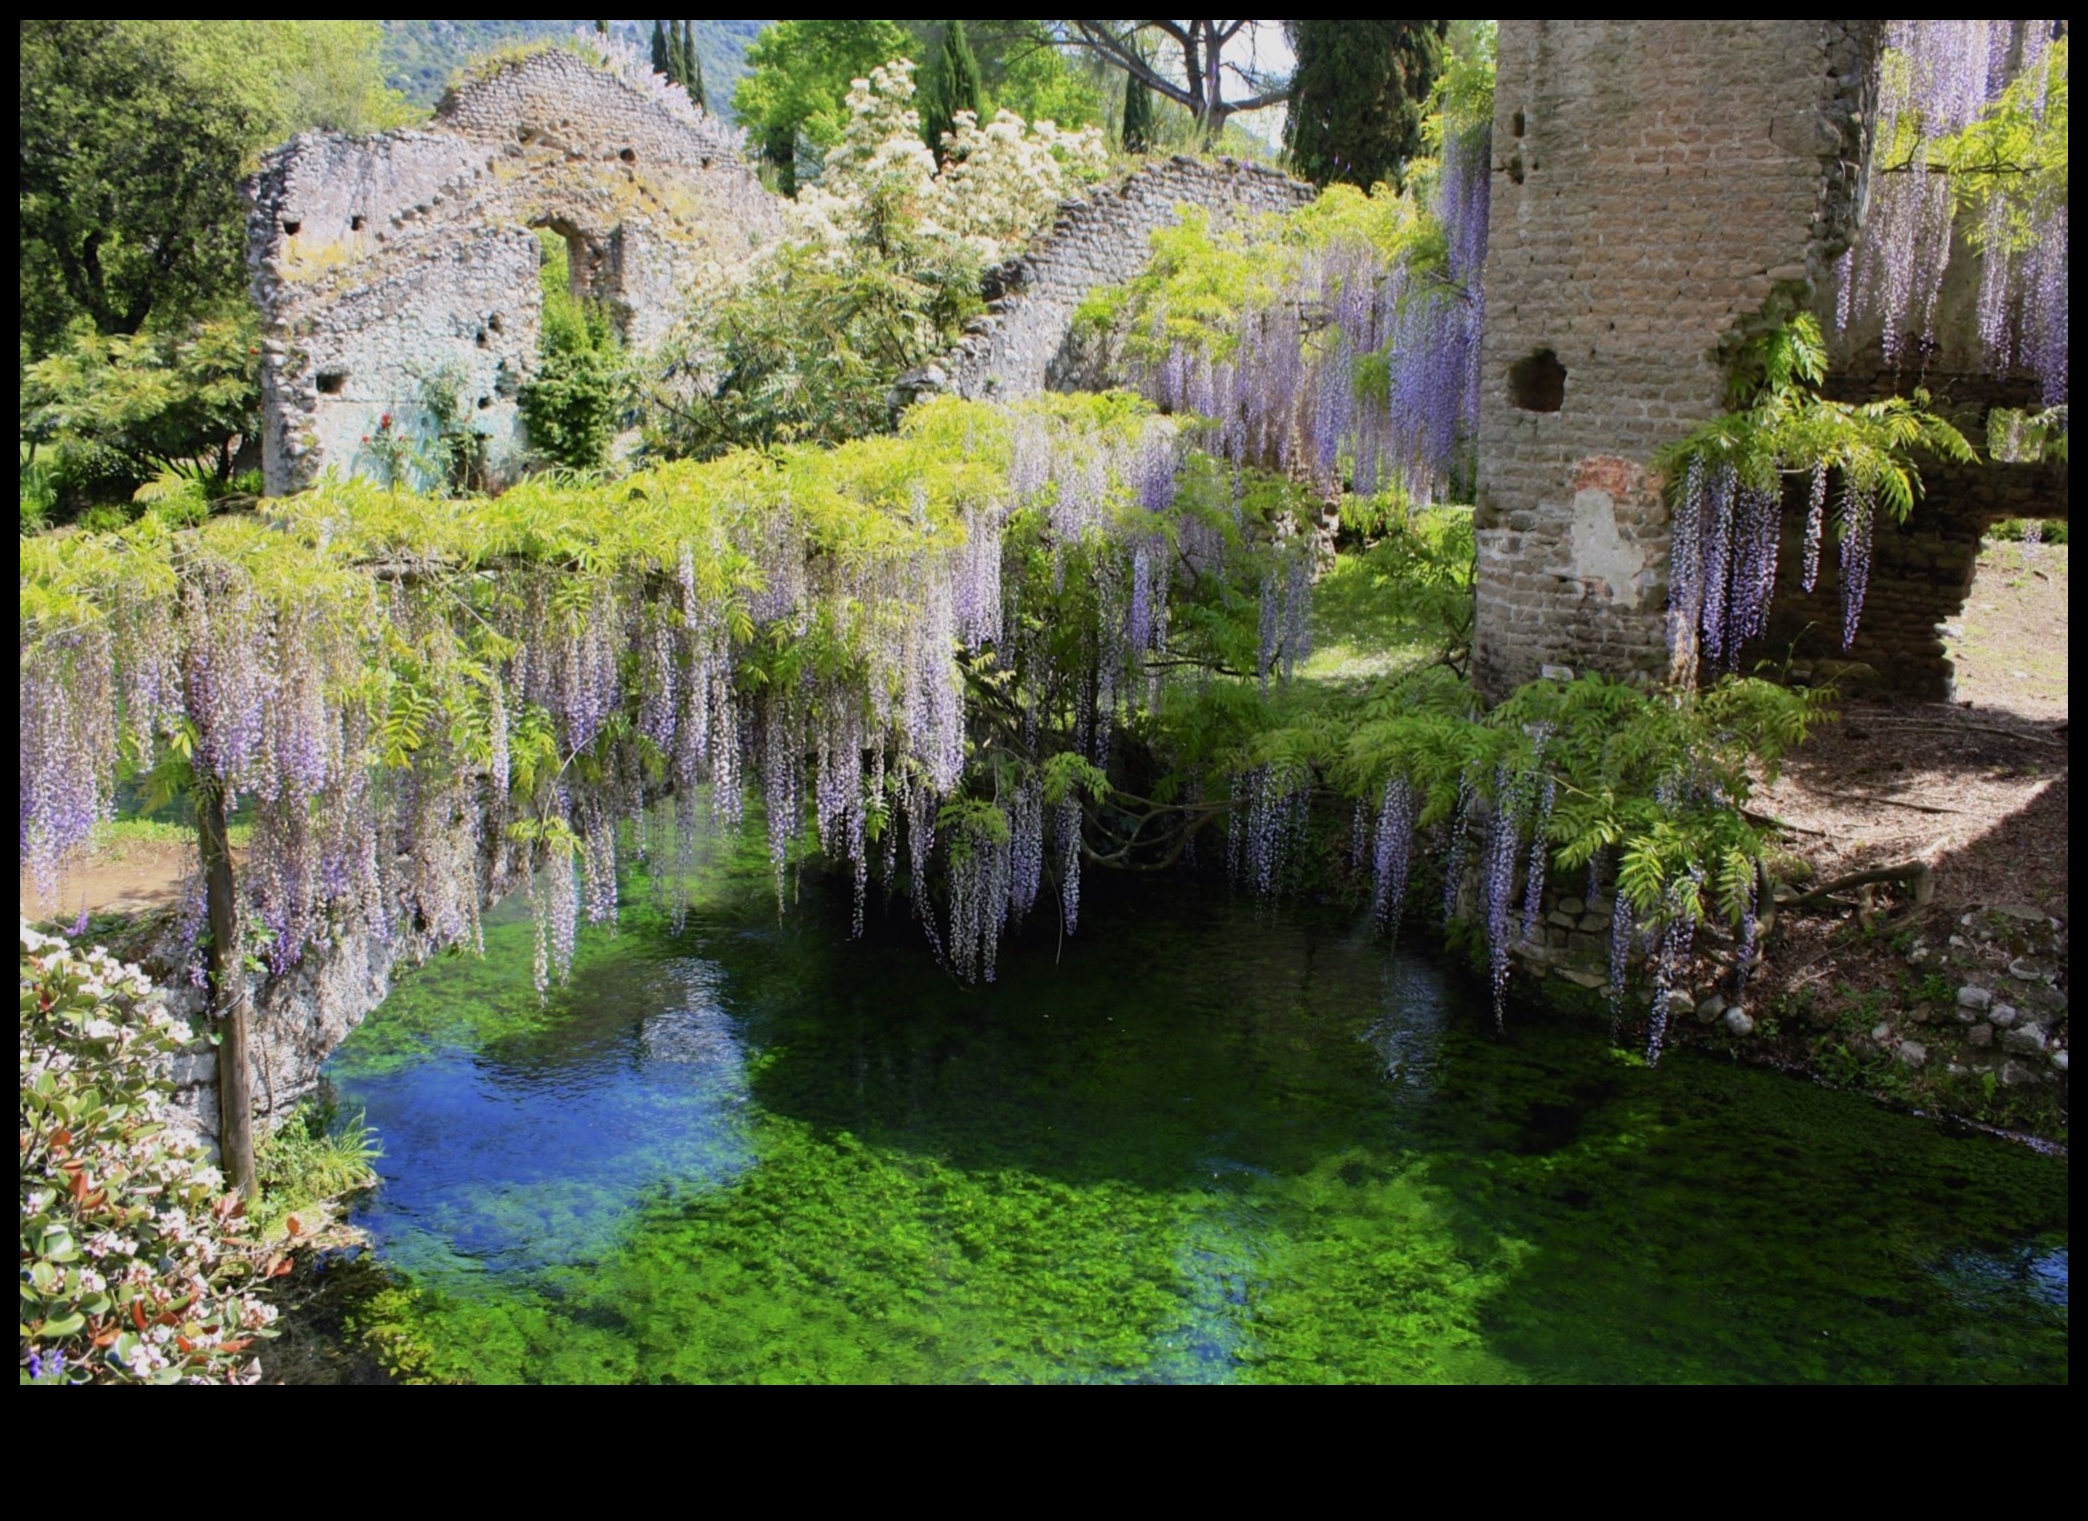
{"type": "Point", "coordinates": [1199, 1146]}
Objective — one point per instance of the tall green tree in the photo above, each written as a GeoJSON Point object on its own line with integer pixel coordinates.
{"type": "Point", "coordinates": [1137, 133]}
{"type": "Point", "coordinates": [793, 101]}
{"type": "Point", "coordinates": [1361, 92]}
{"type": "Point", "coordinates": [692, 67]}
{"type": "Point", "coordinates": [662, 57]}
{"type": "Point", "coordinates": [134, 136]}
{"type": "Point", "coordinates": [952, 84]}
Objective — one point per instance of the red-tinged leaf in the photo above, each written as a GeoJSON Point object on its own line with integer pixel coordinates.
{"type": "Point", "coordinates": [236, 1346]}
{"type": "Point", "coordinates": [103, 1338]}
{"type": "Point", "coordinates": [61, 1137]}
{"type": "Point", "coordinates": [138, 1314]}
{"type": "Point", "coordinates": [184, 1343]}
{"type": "Point", "coordinates": [282, 1266]}
{"type": "Point", "coordinates": [78, 1186]}
{"type": "Point", "coordinates": [292, 1226]}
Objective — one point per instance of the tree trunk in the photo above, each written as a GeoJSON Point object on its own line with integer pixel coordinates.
{"type": "Point", "coordinates": [228, 994]}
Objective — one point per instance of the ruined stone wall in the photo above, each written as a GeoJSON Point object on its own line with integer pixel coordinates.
{"type": "Point", "coordinates": [1021, 346]}
{"type": "Point", "coordinates": [1921, 574]}
{"type": "Point", "coordinates": [1661, 190]}
{"type": "Point", "coordinates": [382, 264]}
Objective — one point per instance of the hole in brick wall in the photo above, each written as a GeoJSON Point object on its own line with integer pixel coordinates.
{"type": "Point", "coordinates": [481, 337]}
{"type": "Point", "coordinates": [1515, 168]}
{"type": "Point", "coordinates": [1537, 382]}
{"type": "Point", "coordinates": [331, 382]}
{"type": "Point", "coordinates": [629, 155]}
{"type": "Point", "coordinates": [1519, 124]}
{"type": "Point", "coordinates": [485, 402]}
{"type": "Point", "coordinates": [493, 322]}
{"type": "Point", "coordinates": [291, 229]}
{"type": "Point", "coordinates": [706, 163]}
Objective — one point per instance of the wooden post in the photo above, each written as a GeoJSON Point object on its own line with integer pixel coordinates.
{"type": "Point", "coordinates": [228, 993]}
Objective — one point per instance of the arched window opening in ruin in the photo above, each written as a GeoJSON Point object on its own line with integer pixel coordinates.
{"type": "Point", "coordinates": [629, 155]}
{"type": "Point", "coordinates": [355, 223]}
{"type": "Point", "coordinates": [291, 229]}
{"type": "Point", "coordinates": [1537, 382]}
{"type": "Point", "coordinates": [332, 382]}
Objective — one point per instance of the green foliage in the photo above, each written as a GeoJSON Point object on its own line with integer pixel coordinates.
{"type": "Point", "coordinates": [130, 1269]}
{"type": "Point", "coordinates": [806, 351]}
{"type": "Point", "coordinates": [117, 411]}
{"type": "Point", "coordinates": [793, 101]}
{"type": "Point", "coordinates": [1198, 282]}
{"type": "Point", "coordinates": [581, 388]}
{"type": "Point", "coordinates": [2008, 169]}
{"type": "Point", "coordinates": [1362, 89]}
{"type": "Point", "coordinates": [134, 137]}
{"type": "Point", "coordinates": [1135, 134]}
{"type": "Point", "coordinates": [314, 1156]}
{"type": "Point", "coordinates": [951, 83]}
{"type": "Point", "coordinates": [1782, 425]}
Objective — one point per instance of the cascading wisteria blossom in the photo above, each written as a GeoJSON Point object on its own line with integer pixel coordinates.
{"type": "Point", "coordinates": [1392, 853]}
{"type": "Point", "coordinates": [429, 701]}
{"type": "Point", "coordinates": [1352, 364]}
{"type": "Point", "coordinates": [1939, 78]}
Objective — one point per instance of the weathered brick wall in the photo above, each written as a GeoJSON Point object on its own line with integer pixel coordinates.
{"type": "Point", "coordinates": [1021, 346]}
{"type": "Point", "coordinates": [1660, 191]}
{"type": "Point", "coordinates": [382, 262]}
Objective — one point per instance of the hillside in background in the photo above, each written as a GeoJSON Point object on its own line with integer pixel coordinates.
{"type": "Point", "coordinates": [420, 56]}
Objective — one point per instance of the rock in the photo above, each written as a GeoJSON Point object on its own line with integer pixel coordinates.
{"type": "Point", "coordinates": [2028, 1039]}
{"type": "Point", "coordinates": [1709, 1009]}
{"type": "Point", "coordinates": [1680, 1004]}
{"type": "Point", "coordinates": [1572, 906]}
{"type": "Point", "coordinates": [1959, 942]}
{"type": "Point", "coordinates": [2059, 1062]}
{"type": "Point", "coordinates": [1738, 1022]}
{"type": "Point", "coordinates": [1912, 1053]}
{"type": "Point", "coordinates": [1971, 997]}
{"type": "Point", "coordinates": [1561, 918]}
{"type": "Point", "coordinates": [1981, 1035]}
{"type": "Point", "coordinates": [1957, 1069]}
{"type": "Point", "coordinates": [2003, 1015]}
{"type": "Point", "coordinates": [1595, 924]}
{"type": "Point", "coordinates": [1602, 906]}
{"type": "Point", "coordinates": [2022, 912]}
{"type": "Point", "coordinates": [1582, 979]}
{"type": "Point", "coordinates": [2030, 969]}
{"type": "Point", "coordinates": [2015, 1074]}
{"type": "Point", "coordinates": [1919, 954]}
{"type": "Point", "coordinates": [1881, 1032]}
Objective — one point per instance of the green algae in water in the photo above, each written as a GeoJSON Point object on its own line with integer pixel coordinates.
{"type": "Point", "coordinates": [1199, 1146]}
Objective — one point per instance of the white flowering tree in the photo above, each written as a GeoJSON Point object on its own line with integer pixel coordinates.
{"type": "Point", "coordinates": [129, 1270]}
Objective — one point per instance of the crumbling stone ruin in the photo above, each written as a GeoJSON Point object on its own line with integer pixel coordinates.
{"type": "Point", "coordinates": [395, 268]}
{"type": "Point", "coordinates": [1025, 342]}
{"type": "Point", "coordinates": [1661, 191]}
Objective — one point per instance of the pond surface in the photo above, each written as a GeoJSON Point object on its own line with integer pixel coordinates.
{"type": "Point", "coordinates": [1194, 1145]}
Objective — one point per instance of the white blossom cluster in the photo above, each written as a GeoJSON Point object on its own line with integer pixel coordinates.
{"type": "Point", "coordinates": [126, 1254]}
{"type": "Point", "coordinates": [997, 183]}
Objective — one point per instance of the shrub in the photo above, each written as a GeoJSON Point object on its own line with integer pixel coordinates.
{"type": "Point", "coordinates": [130, 1272]}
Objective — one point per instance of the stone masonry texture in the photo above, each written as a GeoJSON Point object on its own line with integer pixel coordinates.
{"type": "Point", "coordinates": [1025, 342]}
{"type": "Point", "coordinates": [1662, 191]}
{"type": "Point", "coordinates": [390, 264]}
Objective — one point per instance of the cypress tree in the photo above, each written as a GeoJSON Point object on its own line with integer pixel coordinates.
{"type": "Point", "coordinates": [1137, 135]}
{"type": "Point", "coordinates": [954, 84]}
{"type": "Point", "coordinates": [692, 65]}
{"type": "Point", "coordinates": [1362, 87]}
{"type": "Point", "coordinates": [661, 61]}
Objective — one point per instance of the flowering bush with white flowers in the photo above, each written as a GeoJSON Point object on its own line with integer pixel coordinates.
{"type": "Point", "coordinates": [129, 1270]}
{"type": "Point", "coordinates": [997, 184]}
